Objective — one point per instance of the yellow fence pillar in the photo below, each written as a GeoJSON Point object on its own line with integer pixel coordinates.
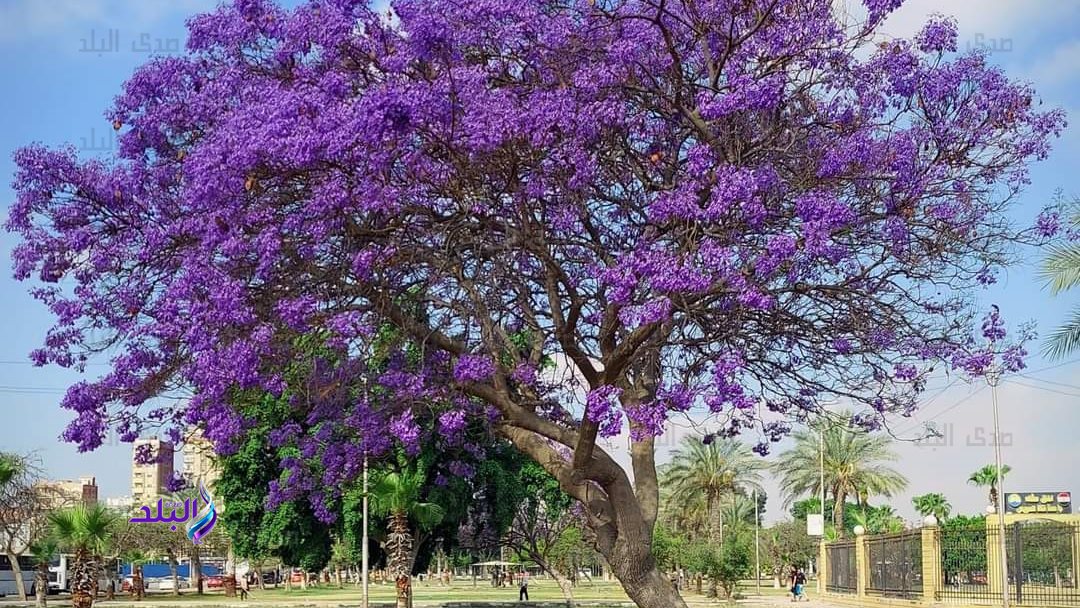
{"type": "Point", "coordinates": [823, 566]}
{"type": "Point", "coordinates": [993, 556]}
{"type": "Point", "coordinates": [862, 562]}
{"type": "Point", "coordinates": [931, 561]}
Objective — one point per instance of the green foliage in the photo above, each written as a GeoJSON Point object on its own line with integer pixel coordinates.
{"type": "Point", "coordinates": [399, 493]}
{"type": "Point", "coordinates": [726, 564]}
{"type": "Point", "coordinates": [570, 551]}
{"type": "Point", "coordinates": [1061, 272]}
{"type": "Point", "coordinates": [876, 520]}
{"type": "Point", "coordinates": [704, 479]}
{"type": "Point", "coordinates": [84, 528]}
{"type": "Point", "coordinates": [963, 547]}
{"type": "Point", "coordinates": [855, 466]}
{"type": "Point", "coordinates": [932, 504]}
{"type": "Point", "coordinates": [9, 467]}
{"type": "Point", "coordinates": [668, 547]}
{"type": "Point", "coordinates": [787, 545]}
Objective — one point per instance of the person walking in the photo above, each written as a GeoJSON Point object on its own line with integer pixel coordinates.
{"type": "Point", "coordinates": [799, 581]}
{"type": "Point", "coordinates": [244, 586]}
{"type": "Point", "coordinates": [523, 582]}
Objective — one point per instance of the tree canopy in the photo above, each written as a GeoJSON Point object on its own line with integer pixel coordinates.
{"type": "Point", "coordinates": [724, 205]}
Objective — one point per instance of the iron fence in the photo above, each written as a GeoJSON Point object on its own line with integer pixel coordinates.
{"type": "Point", "coordinates": [1042, 559]}
{"type": "Point", "coordinates": [895, 565]}
{"type": "Point", "coordinates": [842, 571]}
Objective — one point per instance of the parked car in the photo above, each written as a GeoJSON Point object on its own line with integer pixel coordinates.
{"type": "Point", "coordinates": [297, 577]}
{"type": "Point", "coordinates": [166, 584]}
{"type": "Point", "coordinates": [215, 581]}
{"type": "Point", "coordinates": [270, 577]}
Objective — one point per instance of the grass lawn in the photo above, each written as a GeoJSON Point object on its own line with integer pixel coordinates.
{"type": "Point", "coordinates": [423, 592]}
{"type": "Point", "coordinates": [428, 593]}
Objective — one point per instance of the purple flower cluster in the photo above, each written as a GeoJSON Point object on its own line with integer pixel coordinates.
{"type": "Point", "coordinates": [473, 368]}
{"type": "Point", "coordinates": [601, 407]}
{"type": "Point", "coordinates": [315, 195]}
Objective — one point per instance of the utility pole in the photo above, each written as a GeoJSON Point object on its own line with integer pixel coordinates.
{"type": "Point", "coordinates": [364, 548]}
{"type": "Point", "coordinates": [993, 375]}
{"type": "Point", "coordinates": [757, 545]}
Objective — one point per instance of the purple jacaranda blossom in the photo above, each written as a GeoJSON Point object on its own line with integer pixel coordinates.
{"type": "Point", "coordinates": [361, 215]}
{"type": "Point", "coordinates": [473, 368]}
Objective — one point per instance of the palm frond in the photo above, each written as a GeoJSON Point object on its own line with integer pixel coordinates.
{"type": "Point", "coordinates": [1065, 339]}
{"type": "Point", "coordinates": [1061, 268]}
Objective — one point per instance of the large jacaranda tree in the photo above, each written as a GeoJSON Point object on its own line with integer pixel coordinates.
{"type": "Point", "coordinates": [742, 206]}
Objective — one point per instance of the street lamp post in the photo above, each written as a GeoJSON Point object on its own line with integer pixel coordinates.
{"type": "Point", "coordinates": [364, 548]}
{"type": "Point", "coordinates": [757, 545]}
{"type": "Point", "coordinates": [364, 541]}
{"type": "Point", "coordinates": [821, 498]}
{"type": "Point", "coordinates": [993, 375]}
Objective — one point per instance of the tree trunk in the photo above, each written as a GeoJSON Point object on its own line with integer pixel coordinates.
{"type": "Point", "coordinates": [16, 571]}
{"type": "Point", "coordinates": [82, 581]}
{"type": "Point", "coordinates": [565, 586]}
{"type": "Point", "coordinates": [230, 573]}
{"type": "Point", "coordinates": [647, 589]}
{"type": "Point", "coordinates": [621, 514]}
{"type": "Point", "coordinates": [173, 570]}
{"type": "Point", "coordinates": [399, 547]}
{"type": "Point", "coordinates": [110, 580]}
{"type": "Point", "coordinates": [196, 570]}
{"type": "Point", "coordinates": [137, 582]}
{"type": "Point", "coordinates": [41, 583]}
{"type": "Point", "coordinates": [838, 511]}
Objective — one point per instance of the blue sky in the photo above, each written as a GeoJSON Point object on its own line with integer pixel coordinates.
{"type": "Point", "coordinates": [56, 90]}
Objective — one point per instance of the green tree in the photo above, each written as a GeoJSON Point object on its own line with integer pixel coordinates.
{"type": "Point", "coordinates": [1061, 271]}
{"type": "Point", "coordinates": [397, 496]}
{"type": "Point", "coordinates": [987, 477]}
{"type": "Point", "coordinates": [934, 504]}
{"type": "Point", "coordinates": [710, 470]}
{"type": "Point", "coordinates": [43, 550]}
{"type": "Point", "coordinates": [543, 516]}
{"type": "Point", "coordinates": [876, 520]}
{"type": "Point", "coordinates": [787, 545]}
{"type": "Point", "coordinates": [86, 532]}
{"type": "Point", "coordinates": [10, 465]}
{"type": "Point", "coordinates": [963, 548]}
{"type": "Point", "coordinates": [854, 462]}
{"type": "Point", "coordinates": [668, 546]}
{"type": "Point", "coordinates": [725, 564]}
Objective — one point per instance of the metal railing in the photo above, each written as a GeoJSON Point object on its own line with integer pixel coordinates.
{"type": "Point", "coordinates": [895, 565]}
{"type": "Point", "coordinates": [842, 570]}
{"type": "Point", "coordinates": [1042, 559]}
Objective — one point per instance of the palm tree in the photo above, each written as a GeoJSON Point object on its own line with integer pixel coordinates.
{"type": "Point", "coordinates": [709, 471]}
{"type": "Point", "coordinates": [932, 504]}
{"type": "Point", "coordinates": [85, 531]}
{"type": "Point", "coordinates": [43, 550]}
{"type": "Point", "coordinates": [854, 462]}
{"type": "Point", "coordinates": [397, 496]}
{"type": "Point", "coordinates": [10, 466]}
{"type": "Point", "coordinates": [136, 557]}
{"type": "Point", "coordinates": [1061, 271]}
{"type": "Point", "coordinates": [738, 511]}
{"type": "Point", "coordinates": [987, 477]}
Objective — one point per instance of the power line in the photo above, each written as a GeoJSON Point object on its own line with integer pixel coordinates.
{"type": "Point", "coordinates": [1066, 385]}
{"type": "Point", "coordinates": [1043, 388]}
